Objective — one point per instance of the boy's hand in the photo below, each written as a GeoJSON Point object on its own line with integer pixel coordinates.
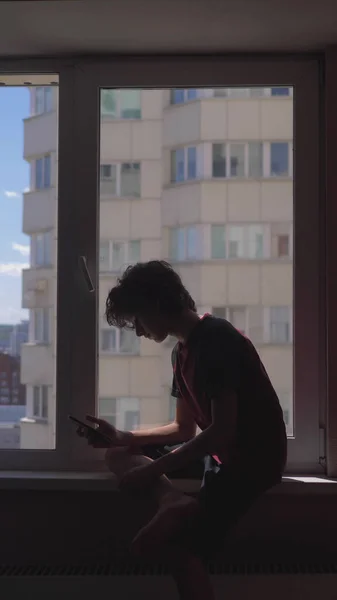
{"type": "Point", "coordinates": [139, 477]}
{"type": "Point", "coordinates": [110, 435]}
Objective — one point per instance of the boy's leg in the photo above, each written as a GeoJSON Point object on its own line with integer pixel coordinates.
{"type": "Point", "coordinates": [174, 508]}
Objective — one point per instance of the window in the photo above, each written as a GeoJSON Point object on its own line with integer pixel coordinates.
{"type": "Point", "coordinates": [42, 172]}
{"type": "Point", "coordinates": [238, 160]}
{"type": "Point", "coordinates": [280, 91]}
{"type": "Point", "coordinates": [43, 100]}
{"type": "Point", "coordinates": [179, 95]}
{"type": "Point", "coordinates": [115, 255]}
{"type": "Point", "coordinates": [121, 179]}
{"type": "Point", "coordinates": [281, 240]}
{"type": "Point", "coordinates": [121, 104]}
{"type": "Point", "coordinates": [238, 241]}
{"type": "Point", "coordinates": [41, 249]}
{"type": "Point", "coordinates": [40, 320]}
{"type": "Point", "coordinates": [279, 159]}
{"type": "Point", "coordinates": [115, 341]}
{"type": "Point", "coordinates": [280, 328]}
{"type": "Point", "coordinates": [185, 244]}
{"type": "Point", "coordinates": [123, 413]}
{"type": "Point", "coordinates": [183, 164]}
{"type": "Point", "coordinates": [40, 402]}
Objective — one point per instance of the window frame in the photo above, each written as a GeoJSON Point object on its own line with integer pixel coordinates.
{"type": "Point", "coordinates": [118, 193]}
{"type": "Point", "coordinates": [126, 255]}
{"type": "Point", "coordinates": [77, 212]}
{"type": "Point", "coordinates": [119, 117]}
{"type": "Point", "coordinates": [186, 164]}
{"type": "Point", "coordinates": [118, 335]}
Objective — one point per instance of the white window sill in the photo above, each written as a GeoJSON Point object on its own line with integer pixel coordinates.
{"type": "Point", "coordinates": [90, 481]}
{"type": "Point", "coordinates": [34, 420]}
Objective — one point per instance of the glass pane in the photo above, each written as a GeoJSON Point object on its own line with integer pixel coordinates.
{"type": "Point", "coordinates": [219, 160]}
{"type": "Point", "coordinates": [108, 103]}
{"type": "Point", "coordinates": [237, 160]}
{"type": "Point", "coordinates": [255, 161]}
{"type": "Point", "coordinates": [108, 340]}
{"type": "Point", "coordinates": [279, 159]}
{"type": "Point", "coordinates": [218, 241]}
{"type": "Point", "coordinates": [28, 272]}
{"type": "Point", "coordinates": [108, 180]}
{"type": "Point", "coordinates": [227, 230]}
{"type": "Point", "coordinates": [104, 256]}
{"type": "Point", "coordinates": [130, 104]}
{"type": "Point", "coordinates": [130, 180]}
{"type": "Point", "coordinates": [280, 91]}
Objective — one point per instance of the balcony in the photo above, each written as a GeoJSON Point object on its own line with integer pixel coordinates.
{"type": "Point", "coordinates": [40, 135]}
{"type": "Point", "coordinates": [38, 287]}
{"type": "Point", "coordinates": [39, 210]}
{"type": "Point", "coordinates": [37, 364]}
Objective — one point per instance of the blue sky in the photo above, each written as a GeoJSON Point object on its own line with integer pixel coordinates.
{"type": "Point", "coordinates": [14, 178]}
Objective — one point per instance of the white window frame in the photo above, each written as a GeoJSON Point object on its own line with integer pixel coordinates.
{"type": "Point", "coordinates": [118, 165]}
{"type": "Point", "coordinates": [126, 244]}
{"type": "Point", "coordinates": [246, 228]}
{"type": "Point", "coordinates": [123, 404]}
{"type": "Point", "coordinates": [266, 160]}
{"type": "Point", "coordinates": [78, 212]}
{"type": "Point", "coordinates": [39, 324]}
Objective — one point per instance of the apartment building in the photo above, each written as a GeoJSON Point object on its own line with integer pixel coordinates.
{"type": "Point", "coordinates": [199, 177]}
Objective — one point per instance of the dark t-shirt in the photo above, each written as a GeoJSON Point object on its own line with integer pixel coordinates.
{"type": "Point", "coordinates": [217, 359]}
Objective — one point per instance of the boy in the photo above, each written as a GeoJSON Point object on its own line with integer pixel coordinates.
{"type": "Point", "coordinates": [221, 387]}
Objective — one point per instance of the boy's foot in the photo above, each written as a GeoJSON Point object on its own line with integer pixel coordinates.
{"type": "Point", "coordinates": [175, 511]}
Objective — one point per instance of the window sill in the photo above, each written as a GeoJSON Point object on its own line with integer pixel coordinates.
{"type": "Point", "coordinates": [91, 481]}
{"type": "Point", "coordinates": [34, 420]}
{"type": "Point", "coordinates": [112, 197]}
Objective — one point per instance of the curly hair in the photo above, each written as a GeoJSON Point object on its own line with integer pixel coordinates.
{"type": "Point", "coordinates": [146, 288]}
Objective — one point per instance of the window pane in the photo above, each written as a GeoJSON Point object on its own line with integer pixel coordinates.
{"type": "Point", "coordinates": [109, 340]}
{"type": "Point", "coordinates": [218, 241]}
{"type": "Point", "coordinates": [225, 224]}
{"type": "Point", "coordinates": [104, 256]}
{"type": "Point", "coordinates": [191, 163]}
{"type": "Point", "coordinates": [237, 160]}
{"type": "Point", "coordinates": [108, 180]}
{"type": "Point", "coordinates": [107, 409]}
{"type": "Point", "coordinates": [130, 180]}
{"type": "Point", "coordinates": [130, 104]}
{"type": "Point", "coordinates": [279, 159]}
{"type": "Point", "coordinates": [28, 272]}
{"type": "Point", "coordinates": [219, 160]}
{"type": "Point", "coordinates": [177, 96]}
{"type": "Point", "coordinates": [255, 168]}
{"type": "Point", "coordinates": [279, 324]}
{"type": "Point", "coordinates": [280, 91]}
{"type": "Point", "coordinates": [108, 103]}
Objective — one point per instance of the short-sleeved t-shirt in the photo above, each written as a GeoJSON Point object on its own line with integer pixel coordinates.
{"type": "Point", "coordinates": [215, 360]}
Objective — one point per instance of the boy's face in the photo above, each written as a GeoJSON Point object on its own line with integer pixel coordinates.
{"type": "Point", "coordinates": [153, 327]}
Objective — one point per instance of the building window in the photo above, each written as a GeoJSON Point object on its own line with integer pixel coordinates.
{"type": "Point", "coordinates": [183, 164]}
{"type": "Point", "coordinates": [43, 100]}
{"type": "Point", "coordinates": [123, 413]}
{"type": "Point", "coordinates": [279, 159]}
{"type": "Point", "coordinates": [40, 321]}
{"type": "Point", "coordinates": [121, 104]}
{"type": "Point", "coordinates": [279, 325]}
{"type": "Point", "coordinates": [185, 243]}
{"type": "Point", "coordinates": [238, 160]}
{"type": "Point", "coordinates": [115, 255]}
{"type": "Point", "coordinates": [180, 95]}
{"type": "Point", "coordinates": [41, 249]}
{"type": "Point", "coordinates": [238, 241]}
{"type": "Point", "coordinates": [40, 401]}
{"type": "Point", "coordinates": [280, 91]}
{"type": "Point", "coordinates": [43, 172]}
{"type": "Point", "coordinates": [121, 180]}
{"type": "Point", "coordinates": [237, 316]}
{"type": "Point", "coordinates": [119, 341]}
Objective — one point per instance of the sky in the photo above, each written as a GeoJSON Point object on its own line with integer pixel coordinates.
{"type": "Point", "coordinates": [14, 178]}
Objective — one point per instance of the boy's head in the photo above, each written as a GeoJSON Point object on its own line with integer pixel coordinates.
{"type": "Point", "coordinates": [149, 298]}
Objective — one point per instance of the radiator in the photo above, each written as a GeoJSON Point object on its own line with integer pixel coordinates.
{"type": "Point", "coordinates": [132, 582]}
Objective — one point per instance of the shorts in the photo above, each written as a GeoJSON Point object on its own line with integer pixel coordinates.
{"type": "Point", "coordinates": [224, 497]}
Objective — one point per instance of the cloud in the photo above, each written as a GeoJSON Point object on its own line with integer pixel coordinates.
{"type": "Point", "coordinates": [10, 194]}
{"type": "Point", "coordinates": [26, 189]}
{"type": "Point", "coordinates": [24, 250]}
{"type": "Point", "coordinates": [12, 269]}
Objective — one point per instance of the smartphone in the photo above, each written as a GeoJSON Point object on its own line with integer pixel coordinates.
{"type": "Point", "coordinates": [89, 428]}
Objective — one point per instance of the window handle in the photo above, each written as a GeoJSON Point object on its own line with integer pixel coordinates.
{"type": "Point", "coordinates": [86, 274]}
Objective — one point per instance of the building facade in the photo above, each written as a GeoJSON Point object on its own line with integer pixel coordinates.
{"type": "Point", "coordinates": [201, 178]}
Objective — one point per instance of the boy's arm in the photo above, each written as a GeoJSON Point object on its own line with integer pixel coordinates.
{"type": "Point", "coordinates": [213, 440]}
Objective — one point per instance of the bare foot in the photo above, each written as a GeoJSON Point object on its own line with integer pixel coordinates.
{"type": "Point", "coordinates": [176, 510]}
